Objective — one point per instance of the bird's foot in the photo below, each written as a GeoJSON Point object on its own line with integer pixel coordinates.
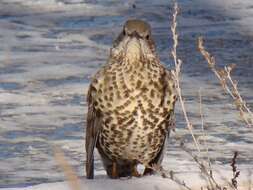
{"type": "Point", "coordinates": [148, 171]}
{"type": "Point", "coordinates": [135, 172]}
{"type": "Point", "coordinates": [114, 171]}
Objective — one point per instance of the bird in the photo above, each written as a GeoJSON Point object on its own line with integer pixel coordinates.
{"type": "Point", "coordinates": [131, 102]}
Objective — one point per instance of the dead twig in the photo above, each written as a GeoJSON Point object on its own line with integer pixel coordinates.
{"type": "Point", "coordinates": [207, 172]}
{"type": "Point", "coordinates": [70, 174]}
{"type": "Point", "coordinates": [169, 174]}
{"type": "Point", "coordinates": [203, 130]}
{"type": "Point", "coordinates": [177, 71]}
{"type": "Point", "coordinates": [228, 84]}
{"type": "Point", "coordinates": [236, 173]}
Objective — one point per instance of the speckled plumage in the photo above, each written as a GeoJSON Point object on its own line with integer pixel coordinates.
{"type": "Point", "coordinates": [131, 103]}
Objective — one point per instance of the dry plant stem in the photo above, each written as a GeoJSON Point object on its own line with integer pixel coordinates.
{"type": "Point", "coordinates": [169, 174]}
{"type": "Point", "coordinates": [177, 71]}
{"type": "Point", "coordinates": [209, 169]}
{"type": "Point", "coordinates": [71, 176]}
{"type": "Point", "coordinates": [202, 127]}
{"type": "Point", "coordinates": [7, 59]}
{"type": "Point", "coordinates": [213, 185]}
{"type": "Point", "coordinates": [240, 103]}
{"type": "Point", "coordinates": [249, 185]}
{"type": "Point", "coordinates": [236, 173]}
{"type": "Point", "coordinates": [228, 84]}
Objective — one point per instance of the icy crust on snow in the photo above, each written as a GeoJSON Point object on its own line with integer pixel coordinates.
{"type": "Point", "coordinates": [51, 48]}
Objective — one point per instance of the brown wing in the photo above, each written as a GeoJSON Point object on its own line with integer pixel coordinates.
{"type": "Point", "coordinates": [92, 132]}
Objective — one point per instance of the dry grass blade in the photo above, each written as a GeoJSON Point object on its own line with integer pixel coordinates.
{"type": "Point", "coordinates": [177, 71]}
{"type": "Point", "coordinates": [169, 174]}
{"type": "Point", "coordinates": [205, 171]}
{"type": "Point", "coordinates": [236, 173]}
{"type": "Point", "coordinates": [228, 84]}
{"type": "Point", "coordinates": [203, 130]}
{"type": "Point", "coordinates": [71, 176]}
{"type": "Point", "coordinates": [7, 60]}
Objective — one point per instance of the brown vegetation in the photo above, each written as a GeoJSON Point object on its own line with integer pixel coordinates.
{"type": "Point", "coordinates": [228, 84]}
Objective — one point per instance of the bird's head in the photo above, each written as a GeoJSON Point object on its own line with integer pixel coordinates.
{"type": "Point", "coordinates": [134, 42]}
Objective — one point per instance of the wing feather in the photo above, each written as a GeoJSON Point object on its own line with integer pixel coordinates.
{"type": "Point", "coordinates": [92, 132]}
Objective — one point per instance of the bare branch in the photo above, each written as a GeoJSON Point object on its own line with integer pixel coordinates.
{"type": "Point", "coordinates": [169, 174]}
{"type": "Point", "coordinates": [228, 84]}
{"type": "Point", "coordinates": [70, 174]}
{"type": "Point", "coordinates": [177, 71]}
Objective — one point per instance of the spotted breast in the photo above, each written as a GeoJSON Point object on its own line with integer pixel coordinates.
{"type": "Point", "coordinates": [131, 104]}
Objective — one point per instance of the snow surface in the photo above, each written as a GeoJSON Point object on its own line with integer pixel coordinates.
{"type": "Point", "coordinates": [49, 51]}
{"type": "Point", "coordinates": [194, 181]}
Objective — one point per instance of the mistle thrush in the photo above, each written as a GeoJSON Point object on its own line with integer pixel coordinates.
{"type": "Point", "coordinates": [130, 105]}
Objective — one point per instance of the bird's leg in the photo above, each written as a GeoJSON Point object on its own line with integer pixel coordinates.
{"type": "Point", "coordinates": [148, 171]}
{"type": "Point", "coordinates": [114, 170]}
{"type": "Point", "coordinates": [134, 171]}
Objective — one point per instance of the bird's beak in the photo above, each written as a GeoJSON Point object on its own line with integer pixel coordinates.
{"type": "Point", "coordinates": [133, 48]}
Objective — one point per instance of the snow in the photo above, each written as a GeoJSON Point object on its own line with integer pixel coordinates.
{"type": "Point", "coordinates": [51, 48]}
{"type": "Point", "coordinates": [194, 181]}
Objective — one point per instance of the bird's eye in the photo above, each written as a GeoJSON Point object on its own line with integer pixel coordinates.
{"type": "Point", "coordinates": [124, 32]}
{"type": "Point", "coordinates": [147, 36]}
